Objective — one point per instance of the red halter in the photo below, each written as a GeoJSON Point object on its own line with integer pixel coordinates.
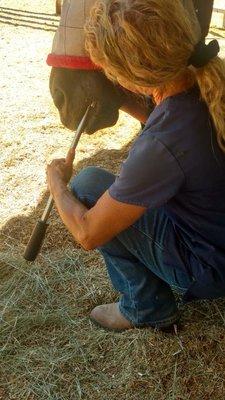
{"type": "Point", "coordinates": [71, 62]}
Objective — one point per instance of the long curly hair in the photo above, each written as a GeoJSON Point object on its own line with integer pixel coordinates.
{"type": "Point", "coordinates": [148, 43]}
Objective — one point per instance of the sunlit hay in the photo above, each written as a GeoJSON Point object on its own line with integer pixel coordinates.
{"type": "Point", "coordinates": [50, 349]}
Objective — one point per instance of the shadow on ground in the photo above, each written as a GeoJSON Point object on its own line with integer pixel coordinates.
{"type": "Point", "coordinates": [16, 231]}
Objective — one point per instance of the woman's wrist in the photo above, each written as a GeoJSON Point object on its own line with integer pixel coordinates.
{"type": "Point", "coordinates": [57, 187]}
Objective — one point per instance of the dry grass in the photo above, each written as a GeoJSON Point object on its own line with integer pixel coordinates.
{"type": "Point", "coordinates": [50, 350]}
{"type": "Point", "coordinates": [48, 347]}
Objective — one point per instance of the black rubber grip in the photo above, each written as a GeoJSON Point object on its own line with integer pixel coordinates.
{"type": "Point", "coordinates": [35, 242]}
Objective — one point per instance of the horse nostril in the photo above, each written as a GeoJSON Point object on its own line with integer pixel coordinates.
{"type": "Point", "coordinates": [58, 98]}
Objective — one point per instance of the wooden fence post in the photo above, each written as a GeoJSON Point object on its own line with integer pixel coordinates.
{"type": "Point", "coordinates": [58, 6]}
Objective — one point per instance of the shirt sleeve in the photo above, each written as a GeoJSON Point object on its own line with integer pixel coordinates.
{"type": "Point", "coordinates": [150, 176]}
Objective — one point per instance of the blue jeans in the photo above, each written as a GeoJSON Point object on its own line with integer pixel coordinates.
{"type": "Point", "coordinates": [135, 259]}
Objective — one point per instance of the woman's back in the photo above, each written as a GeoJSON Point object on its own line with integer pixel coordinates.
{"type": "Point", "coordinates": [176, 163]}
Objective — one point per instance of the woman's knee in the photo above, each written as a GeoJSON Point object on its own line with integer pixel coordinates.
{"type": "Point", "coordinates": [90, 183]}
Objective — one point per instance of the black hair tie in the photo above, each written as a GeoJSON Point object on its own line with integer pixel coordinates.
{"type": "Point", "coordinates": [203, 53]}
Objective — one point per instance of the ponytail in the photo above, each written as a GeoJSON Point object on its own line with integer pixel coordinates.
{"type": "Point", "coordinates": [211, 81]}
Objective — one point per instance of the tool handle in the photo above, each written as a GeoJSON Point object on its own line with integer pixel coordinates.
{"type": "Point", "coordinates": [73, 145]}
{"type": "Point", "coordinates": [36, 240]}
{"type": "Point", "coordinates": [47, 209]}
{"type": "Point", "coordinates": [38, 234]}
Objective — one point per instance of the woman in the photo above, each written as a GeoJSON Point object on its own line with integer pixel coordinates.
{"type": "Point", "coordinates": [161, 223]}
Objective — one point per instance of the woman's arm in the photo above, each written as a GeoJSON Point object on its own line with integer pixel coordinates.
{"type": "Point", "coordinates": [92, 228]}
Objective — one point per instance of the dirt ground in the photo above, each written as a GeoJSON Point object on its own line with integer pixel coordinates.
{"type": "Point", "coordinates": [31, 132]}
{"type": "Point", "coordinates": [142, 363]}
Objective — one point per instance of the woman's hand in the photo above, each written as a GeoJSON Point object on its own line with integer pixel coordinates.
{"type": "Point", "coordinates": [60, 170]}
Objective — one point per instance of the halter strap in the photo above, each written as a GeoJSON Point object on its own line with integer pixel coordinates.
{"type": "Point", "coordinates": [71, 62]}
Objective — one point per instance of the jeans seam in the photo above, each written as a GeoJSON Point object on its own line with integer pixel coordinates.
{"type": "Point", "coordinates": [178, 287]}
{"type": "Point", "coordinates": [166, 321]}
{"type": "Point", "coordinates": [151, 238]}
{"type": "Point", "coordinates": [132, 300]}
{"type": "Point", "coordinates": [165, 249]}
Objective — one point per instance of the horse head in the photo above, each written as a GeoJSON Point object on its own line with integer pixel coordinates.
{"type": "Point", "coordinates": [75, 81]}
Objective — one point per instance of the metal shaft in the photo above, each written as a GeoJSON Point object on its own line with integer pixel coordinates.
{"type": "Point", "coordinates": [74, 143]}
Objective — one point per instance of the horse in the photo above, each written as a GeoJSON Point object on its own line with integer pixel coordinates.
{"type": "Point", "coordinates": [75, 81]}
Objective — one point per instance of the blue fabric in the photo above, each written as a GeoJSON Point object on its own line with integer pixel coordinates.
{"type": "Point", "coordinates": [176, 165]}
{"type": "Point", "coordinates": [135, 258]}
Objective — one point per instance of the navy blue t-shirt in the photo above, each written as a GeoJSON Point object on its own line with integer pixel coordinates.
{"type": "Point", "coordinates": [176, 165]}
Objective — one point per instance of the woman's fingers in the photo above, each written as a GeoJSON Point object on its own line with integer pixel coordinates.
{"type": "Point", "coordinates": [68, 160]}
{"type": "Point", "coordinates": [61, 168]}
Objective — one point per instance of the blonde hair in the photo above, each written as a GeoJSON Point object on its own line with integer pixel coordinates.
{"type": "Point", "coordinates": [149, 43]}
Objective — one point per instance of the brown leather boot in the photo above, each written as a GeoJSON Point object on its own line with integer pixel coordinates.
{"type": "Point", "coordinates": [109, 316]}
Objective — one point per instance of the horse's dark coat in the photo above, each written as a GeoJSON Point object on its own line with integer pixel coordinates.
{"type": "Point", "coordinates": [73, 90]}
